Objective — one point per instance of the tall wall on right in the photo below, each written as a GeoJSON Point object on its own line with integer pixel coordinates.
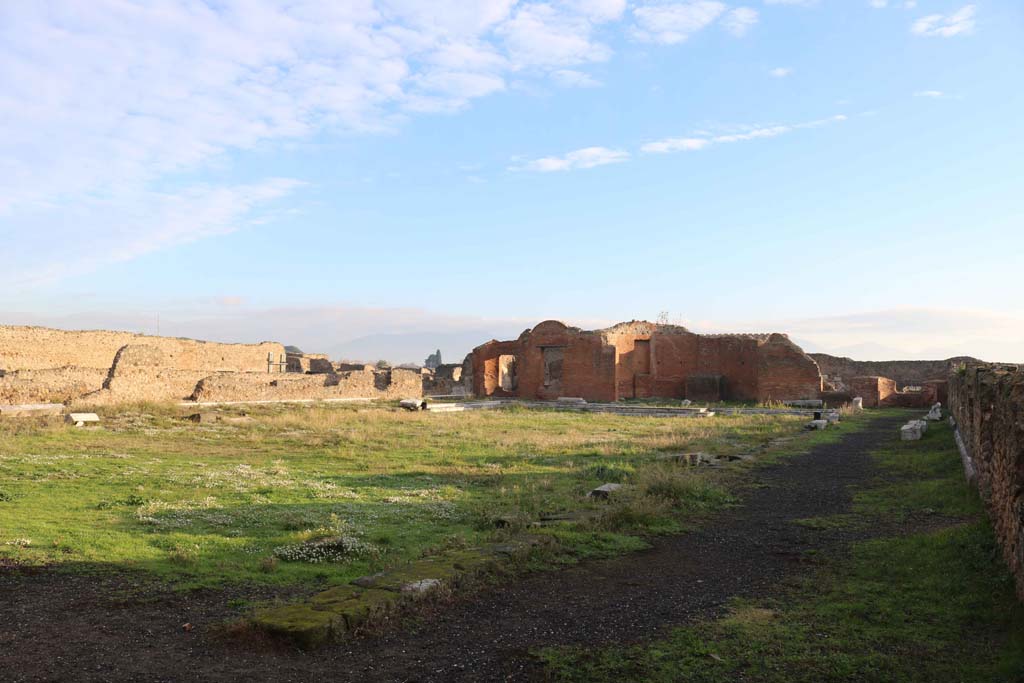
{"type": "Point", "coordinates": [987, 402]}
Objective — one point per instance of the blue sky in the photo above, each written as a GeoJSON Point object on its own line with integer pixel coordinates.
{"type": "Point", "coordinates": [388, 173]}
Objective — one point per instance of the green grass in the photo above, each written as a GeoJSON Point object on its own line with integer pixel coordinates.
{"type": "Point", "coordinates": [360, 487]}
{"type": "Point", "coordinates": [935, 605]}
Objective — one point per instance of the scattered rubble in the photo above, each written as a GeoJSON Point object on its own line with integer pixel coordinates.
{"type": "Point", "coordinates": [82, 419]}
{"type": "Point", "coordinates": [604, 491]}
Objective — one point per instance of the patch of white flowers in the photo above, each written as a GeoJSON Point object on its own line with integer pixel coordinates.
{"type": "Point", "coordinates": [332, 549]}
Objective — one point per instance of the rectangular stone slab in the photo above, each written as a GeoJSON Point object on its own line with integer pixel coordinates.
{"type": "Point", "coordinates": [31, 410]}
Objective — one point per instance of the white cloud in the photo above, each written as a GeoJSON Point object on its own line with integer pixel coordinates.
{"type": "Point", "coordinates": [802, 3]}
{"type": "Point", "coordinates": [946, 26]}
{"type": "Point", "coordinates": [879, 4]}
{"type": "Point", "coordinates": [136, 222]}
{"type": "Point", "coordinates": [571, 78]}
{"type": "Point", "coordinates": [541, 35]}
{"type": "Point", "coordinates": [745, 133]}
{"type": "Point", "coordinates": [588, 157]}
{"type": "Point", "coordinates": [780, 72]}
{"type": "Point", "coordinates": [740, 20]}
{"type": "Point", "coordinates": [929, 93]}
{"type": "Point", "coordinates": [669, 145]}
{"type": "Point", "coordinates": [114, 102]}
{"type": "Point", "coordinates": [672, 23]}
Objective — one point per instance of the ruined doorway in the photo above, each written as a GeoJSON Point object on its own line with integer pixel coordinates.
{"type": "Point", "coordinates": [507, 379]}
{"type": "Point", "coordinates": [554, 357]}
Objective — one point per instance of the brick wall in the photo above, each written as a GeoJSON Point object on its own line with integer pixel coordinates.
{"type": "Point", "coordinates": [639, 359]}
{"type": "Point", "coordinates": [987, 403]}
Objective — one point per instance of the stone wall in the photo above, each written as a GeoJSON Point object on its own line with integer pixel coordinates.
{"type": "Point", "coordinates": [100, 367]}
{"type": "Point", "coordinates": [903, 372]}
{"type": "Point", "coordinates": [36, 348]}
{"type": "Point", "coordinates": [444, 380]}
{"type": "Point", "coordinates": [987, 403]}
{"type": "Point", "coordinates": [394, 383]}
{"type": "Point", "coordinates": [639, 359]}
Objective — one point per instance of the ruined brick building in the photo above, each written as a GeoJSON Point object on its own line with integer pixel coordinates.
{"type": "Point", "coordinates": [640, 360]}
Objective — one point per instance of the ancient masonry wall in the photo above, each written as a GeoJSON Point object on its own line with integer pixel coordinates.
{"type": "Point", "coordinates": [881, 392]}
{"type": "Point", "coordinates": [394, 383]}
{"type": "Point", "coordinates": [37, 348]}
{"type": "Point", "coordinates": [904, 372]}
{"type": "Point", "coordinates": [987, 403]}
{"type": "Point", "coordinates": [99, 367]}
{"type": "Point", "coordinates": [640, 359]}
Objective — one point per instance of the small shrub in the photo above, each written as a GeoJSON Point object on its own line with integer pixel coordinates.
{"type": "Point", "coordinates": [682, 488]}
{"type": "Point", "coordinates": [183, 555]}
{"type": "Point", "coordinates": [5, 497]}
{"type": "Point", "coordinates": [606, 473]}
{"type": "Point", "coordinates": [635, 512]}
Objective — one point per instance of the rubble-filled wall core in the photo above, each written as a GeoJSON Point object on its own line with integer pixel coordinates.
{"type": "Point", "coordinates": [987, 404]}
{"type": "Point", "coordinates": [640, 359]}
{"type": "Point", "coordinates": [102, 367]}
{"type": "Point", "coordinates": [37, 348]}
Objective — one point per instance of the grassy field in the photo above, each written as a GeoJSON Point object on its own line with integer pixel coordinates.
{"type": "Point", "coordinates": [294, 494]}
{"type": "Point", "coordinates": [926, 598]}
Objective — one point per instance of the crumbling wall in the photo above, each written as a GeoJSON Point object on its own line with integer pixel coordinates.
{"type": "Point", "coordinates": [392, 383]}
{"type": "Point", "coordinates": [873, 389]}
{"type": "Point", "coordinates": [37, 348]}
{"type": "Point", "coordinates": [639, 359]}
{"type": "Point", "coordinates": [444, 380]}
{"type": "Point", "coordinates": [785, 372]}
{"type": "Point", "coordinates": [52, 385]}
{"type": "Point", "coordinates": [879, 392]}
{"type": "Point", "coordinates": [987, 403]}
{"type": "Point", "coordinates": [904, 372]}
{"type": "Point", "coordinates": [312, 363]}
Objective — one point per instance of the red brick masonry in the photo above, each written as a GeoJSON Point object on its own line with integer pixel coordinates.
{"type": "Point", "coordinates": [640, 360]}
{"type": "Point", "coordinates": [987, 403]}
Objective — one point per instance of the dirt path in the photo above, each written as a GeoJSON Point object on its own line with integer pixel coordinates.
{"type": "Point", "coordinates": [63, 628]}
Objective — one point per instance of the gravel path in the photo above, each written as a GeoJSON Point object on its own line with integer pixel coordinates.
{"type": "Point", "coordinates": [67, 627]}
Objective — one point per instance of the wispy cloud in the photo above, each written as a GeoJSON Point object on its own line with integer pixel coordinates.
{"type": "Point", "coordinates": [780, 72]}
{"type": "Point", "coordinates": [698, 142]}
{"type": "Point", "coordinates": [137, 222]}
{"type": "Point", "coordinates": [802, 3]}
{"type": "Point", "coordinates": [739, 21]}
{"type": "Point", "coordinates": [588, 157]}
{"type": "Point", "coordinates": [946, 26]}
{"type": "Point", "coordinates": [929, 93]}
{"type": "Point", "coordinates": [674, 23]}
{"type": "Point", "coordinates": [111, 105]}
{"type": "Point", "coordinates": [571, 78]}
